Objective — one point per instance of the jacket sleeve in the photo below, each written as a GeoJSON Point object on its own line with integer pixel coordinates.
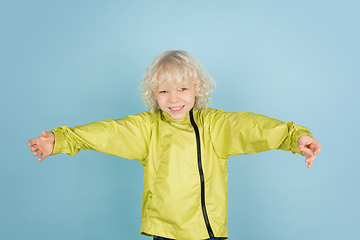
{"type": "Point", "coordinates": [127, 137]}
{"type": "Point", "coordinates": [235, 133]}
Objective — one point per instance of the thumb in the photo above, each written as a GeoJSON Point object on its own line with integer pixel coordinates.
{"type": "Point", "coordinates": [45, 134]}
{"type": "Point", "coordinates": [307, 152]}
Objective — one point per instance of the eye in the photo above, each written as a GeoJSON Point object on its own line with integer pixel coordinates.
{"type": "Point", "coordinates": [183, 89]}
{"type": "Point", "coordinates": [163, 92]}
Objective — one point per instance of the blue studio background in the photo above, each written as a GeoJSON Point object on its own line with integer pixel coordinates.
{"type": "Point", "coordinates": [74, 62]}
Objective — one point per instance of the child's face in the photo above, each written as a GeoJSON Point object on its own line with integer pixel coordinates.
{"type": "Point", "coordinates": [176, 101]}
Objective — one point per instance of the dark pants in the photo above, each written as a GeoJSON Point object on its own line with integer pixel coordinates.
{"type": "Point", "coordinates": [162, 238]}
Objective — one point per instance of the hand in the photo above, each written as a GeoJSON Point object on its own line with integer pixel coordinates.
{"type": "Point", "coordinates": [43, 145]}
{"type": "Point", "coordinates": [309, 147]}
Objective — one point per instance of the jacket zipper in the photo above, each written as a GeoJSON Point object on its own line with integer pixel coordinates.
{"type": "Point", "coordinates": [201, 173]}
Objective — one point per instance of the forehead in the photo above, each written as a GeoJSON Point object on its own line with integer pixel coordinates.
{"type": "Point", "coordinates": [174, 84]}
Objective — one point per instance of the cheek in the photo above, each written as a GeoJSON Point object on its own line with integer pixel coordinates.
{"type": "Point", "coordinates": [193, 96]}
{"type": "Point", "coordinates": [160, 100]}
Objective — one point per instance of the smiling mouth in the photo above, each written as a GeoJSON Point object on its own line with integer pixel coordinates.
{"type": "Point", "coordinates": [175, 109]}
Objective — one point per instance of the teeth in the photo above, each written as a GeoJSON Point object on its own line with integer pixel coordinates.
{"type": "Point", "coordinates": [176, 108]}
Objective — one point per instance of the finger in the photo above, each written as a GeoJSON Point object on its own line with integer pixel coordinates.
{"type": "Point", "coordinates": [30, 142]}
{"type": "Point", "coordinates": [317, 149]}
{"type": "Point", "coordinates": [309, 164]}
{"type": "Point", "coordinates": [310, 159]}
{"type": "Point", "coordinates": [314, 144]}
{"type": "Point", "coordinates": [33, 141]}
{"type": "Point", "coordinates": [42, 157]}
{"type": "Point", "coordinates": [33, 148]}
{"type": "Point", "coordinates": [307, 152]}
{"type": "Point", "coordinates": [37, 153]}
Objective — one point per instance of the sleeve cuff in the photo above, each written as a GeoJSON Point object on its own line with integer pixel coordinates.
{"type": "Point", "coordinates": [58, 142]}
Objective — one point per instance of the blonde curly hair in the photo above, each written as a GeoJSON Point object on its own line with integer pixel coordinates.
{"type": "Point", "coordinates": [176, 67]}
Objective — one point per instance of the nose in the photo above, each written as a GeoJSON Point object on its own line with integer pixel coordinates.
{"type": "Point", "coordinates": [174, 97]}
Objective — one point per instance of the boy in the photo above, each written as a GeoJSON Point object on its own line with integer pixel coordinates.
{"type": "Point", "coordinates": [183, 147]}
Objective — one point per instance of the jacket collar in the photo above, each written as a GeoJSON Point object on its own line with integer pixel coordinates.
{"type": "Point", "coordinates": [185, 120]}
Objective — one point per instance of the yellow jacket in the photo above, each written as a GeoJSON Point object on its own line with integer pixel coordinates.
{"type": "Point", "coordinates": [184, 161]}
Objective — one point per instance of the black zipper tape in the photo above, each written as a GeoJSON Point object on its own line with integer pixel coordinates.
{"type": "Point", "coordinates": [201, 173]}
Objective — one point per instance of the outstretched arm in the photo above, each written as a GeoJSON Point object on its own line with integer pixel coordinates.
{"type": "Point", "coordinates": [309, 147]}
{"type": "Point", "coordinates": [43, 145]}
